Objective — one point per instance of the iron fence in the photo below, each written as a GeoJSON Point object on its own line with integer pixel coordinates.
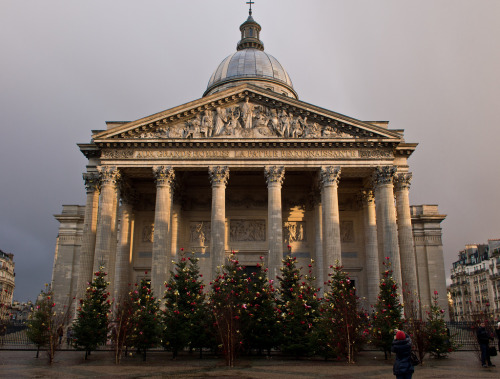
{"type": "Point", "coordinates": [463, 333]}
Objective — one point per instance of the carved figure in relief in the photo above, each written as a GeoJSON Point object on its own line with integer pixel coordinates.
{"type": "Point", "coordinates": [147, 233]}
{"type": "Point", "coordinates": [200, 232]}
{"type": "Point", "coordinates": [193, 127]}
{"type": "Point", "coordinates": [247, 230]}
{"type": "Point", "coordinates": [294, 231]}
{"type": "Point", "coordinates": [296, 128]}
{"type": "Point", "coordinates": [346, 231]}
{"type": "Point", "coordinates": [247, 113]}
{"type": "Point", "coordinates": [220, 120]}
{"type": "Point", "coordinates": [284, 129]}
{"type": "Point", "coordinates": [207, 124]}
{"type": "Point", "coordinates": [233, 124]}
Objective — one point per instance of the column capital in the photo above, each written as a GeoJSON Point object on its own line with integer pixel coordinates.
{"type": "Point", "coordinates": [330, 175]}
{"type": "Point", "coordinates": [109, 174]}
{"type": "Point", "coordinates": [164, 175]}
{"type": "Point", "coordinates": [92, 181]}
{"type": "Point", "coordinates": [402, 180]}
{"type": "Point", "coordinates": [383, 175]}
{"type": "Point", "coordinates": [367, 196]}
{"type": "Point", "coordinates": [274, 174]}
{"type": "Point", "coordinates": [219, 175]}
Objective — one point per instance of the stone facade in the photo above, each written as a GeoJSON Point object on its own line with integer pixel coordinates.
{"type": "Point", "coordinates": [249, 169]}
{"type": "Point", "coordinates": [475, 287]}
{"type": "Point", "coordinates": [7, 284]}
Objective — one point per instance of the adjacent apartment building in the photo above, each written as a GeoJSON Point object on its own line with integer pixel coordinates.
{"type": "Point", "coordinates": [7, 284]}
{"type": "Point", "coordinates": [475, 287]}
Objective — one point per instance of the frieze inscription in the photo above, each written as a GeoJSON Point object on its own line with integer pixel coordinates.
{"type": "Point", "coordinates": [247, 153]}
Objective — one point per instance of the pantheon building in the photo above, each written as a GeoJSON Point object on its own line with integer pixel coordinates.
{"type": "Point", "coordinates": [251, 168]}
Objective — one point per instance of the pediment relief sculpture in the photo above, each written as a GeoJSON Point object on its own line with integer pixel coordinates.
{"type": "Point", "coordinates": [251, 120]}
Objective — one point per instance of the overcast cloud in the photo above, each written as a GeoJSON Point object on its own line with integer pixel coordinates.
{"type": "Point", "coordinates": [66, 67]}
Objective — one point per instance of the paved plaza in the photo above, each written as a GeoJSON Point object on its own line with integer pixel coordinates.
{"type": "Point", "coordinates": [71, 364]}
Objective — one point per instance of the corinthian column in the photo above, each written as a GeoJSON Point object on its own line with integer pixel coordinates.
{"type": "Point", "coordinates": [332, 249]}
{"type": "Point", "coordinates": [384, 201]}
{"type": "Point", "coordinates": [405, 232]}
{"type": "Point", "coordinates": [122, 267]}
{"type": "Point", "coordinates": [106, 229]}
{"type": "Point", "coordinates": [92, 185]}
{"type": "Point", "coordinates": [219, 176]}
{"type": "Point", "coordinates": [372, 266]}
{"type": "Point", "coordinates": [274, 177]}
{"type": "Point", "coordinates": [161, 262]}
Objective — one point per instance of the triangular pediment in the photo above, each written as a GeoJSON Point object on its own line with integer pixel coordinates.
{"type": "Point", "coordinates": [246, 112]}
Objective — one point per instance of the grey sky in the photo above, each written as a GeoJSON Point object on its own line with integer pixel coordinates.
{"type": "Point", "coordinates": [429, 67]}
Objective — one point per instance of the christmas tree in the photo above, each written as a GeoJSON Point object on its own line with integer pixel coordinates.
{"type": "Point", "coordinates": [228, 298]}
{"type": "Point", "coordinates": [440, 343]}
{"type": "Point", "coordinates": [343, 326]}
{"type": "Point", "coordinates": [41, 320]}
{"type": "Point", "coordinates": [145, 319]}
{"type": "Point", "coordinates": [298, 307]}
{"type": "Point", "coordinates": [388, 312]}
{"type": "Point", "coordinates": [259, 322]}
{"type": "Point", "coordinates": [184, 307]}
{"type": "Point", "coordinates": [91, 326]}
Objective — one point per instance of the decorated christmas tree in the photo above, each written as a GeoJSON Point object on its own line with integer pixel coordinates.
{"type": "Point", "coordinates": [145, 319]}
{"type": "Point", "coordinates": [228, 297]}
{"type": "Point", "coordinates": [388, 312]}
{"type": "Point", "coordinates": [343, 326]}
{"type": "Point", "coordinates": [298, 308]}
{"type": "Point", "coordinates": [90, 329]}
{"type": "Point", "coordinates": [440, 342]}
{"type": "Point", "coordinates": [259, 322]}
{"type": "Point", "coordinates": [184, 307]}
{"type": "Point", "coordinates": [41, 321]}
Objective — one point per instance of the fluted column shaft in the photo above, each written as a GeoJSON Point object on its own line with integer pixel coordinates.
{"type": "Point", "coordinates": [219, 176]}
{"type": "Point", "coordinates": [318, 244]}
{"type": "Point", "coordinates": [384, 201]}
{"type": "Point", "coordinates": [332, 248]}
{"type": "Point", "coordinates": [92, 185]}
{"type": "Point", "coordinates": [274, 178]}
{"type": "Point", "coordinates": [405, 233]}
{"type": "Point", "coordinates": [106, 228]}
{"type": "Point", "coordinates": [372, 265]}
{"type": "Point", "coordinates": [161, 262]}
{"type": "Point", "coordinates": [122, 270]}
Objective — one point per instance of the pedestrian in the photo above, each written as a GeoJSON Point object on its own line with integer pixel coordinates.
{"type": "Point", "coordinates": [403, 368]}
{"type": "Point", "coordinates": [60, 333]}
{"type": "Point", "coordinates": [497, 330]}
{"type": "Point", "coordinates": [69, 335]}
{"type": "Point", "coordinates": [483, 338]}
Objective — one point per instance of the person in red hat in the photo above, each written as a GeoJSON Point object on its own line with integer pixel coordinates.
{"type": "Point", "coordinates": [403, 368]}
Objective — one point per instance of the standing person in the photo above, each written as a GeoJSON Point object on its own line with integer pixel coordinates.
{"type": "Point", "coordinates": [403, 368]}
{"type": "Point", "coordinates": [69, 336]}
{"type": "Point", "coordinates": [497, 330]}
{"type": "Point", "coordinates": [60, 333]}
{"type": "Point", "coordinates": [483, 338]}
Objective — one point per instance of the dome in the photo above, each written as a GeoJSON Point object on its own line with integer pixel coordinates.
{"type": "Point", "coordinates": [251, 64]}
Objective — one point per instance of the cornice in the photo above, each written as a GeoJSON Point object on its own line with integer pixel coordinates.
{"type": "Point", "coordinates": [246, 143]}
